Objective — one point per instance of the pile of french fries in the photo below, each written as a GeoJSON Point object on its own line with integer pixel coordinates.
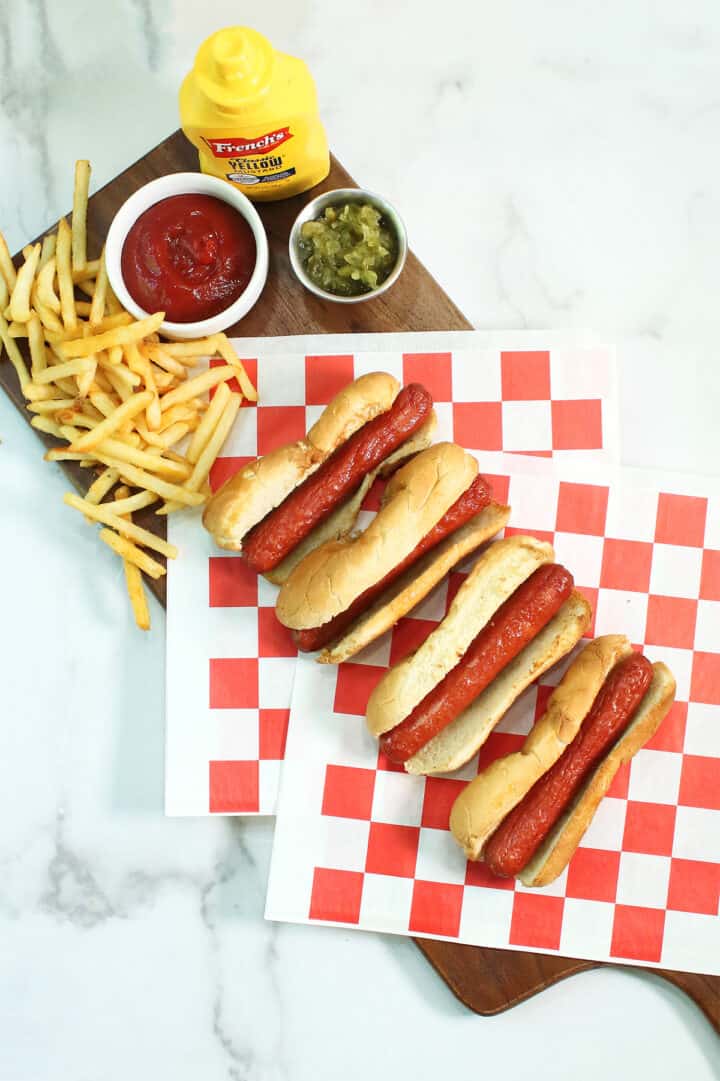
{"type": "Point", "coordinates": [125, 402]}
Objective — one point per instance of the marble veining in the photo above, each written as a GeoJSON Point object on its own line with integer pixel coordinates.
{"type": "Point", "coordinates": [556, 167]}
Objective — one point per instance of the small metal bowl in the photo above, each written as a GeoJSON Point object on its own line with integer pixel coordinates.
{"type": "Point", "coordinates": [314, 209]}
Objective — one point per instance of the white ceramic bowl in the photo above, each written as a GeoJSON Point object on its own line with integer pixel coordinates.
{"type": "Point", "coordinates": [187, 184]}
{"type": "Point", "coordinates": [314, 209]}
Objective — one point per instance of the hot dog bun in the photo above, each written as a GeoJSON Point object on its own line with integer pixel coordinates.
{"type": "Point", "coordinates": [330, 578]}
{"type": "Point", "coordinates": [483, 805]}
{"type": "Point", "coordinates": [417, 582]}
{"type": "Point", "coordinates": [554, 855]}
{"type": "Point", "coordinates": [340, 523]}
{"type": "Point", "coordinates": [499, 571]}
{"type": "Point", "coordinates": [456, 745]}
{"type": "Point", "coordinates": [246, 498]}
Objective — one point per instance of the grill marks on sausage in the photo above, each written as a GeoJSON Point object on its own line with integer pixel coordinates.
{"type": "Point", "coordinates": [519, 836]}
{"type": "Point", "coordinates": [470, 503]}
{"type": "Point", "coordinates": [267, 544]}
{"type": "Point", "coordinates": [517, 621]}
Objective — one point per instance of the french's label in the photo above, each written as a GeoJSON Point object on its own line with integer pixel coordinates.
{"type": "Point", "coordinates": [241, 148]}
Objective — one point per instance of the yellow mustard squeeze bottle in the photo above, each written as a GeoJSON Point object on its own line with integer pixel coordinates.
{"type": "Point", "coordinates": [252, 114]}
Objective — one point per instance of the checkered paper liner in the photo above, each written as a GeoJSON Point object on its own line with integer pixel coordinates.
{"type": "Point", "coordinates": [360, 843]}
{"type": "Point", "coordinates": [230, 666]}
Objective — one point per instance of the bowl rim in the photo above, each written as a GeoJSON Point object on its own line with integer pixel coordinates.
{"type": "Point", "coordinates": [186, 183]}
{"type": "Point", "coordinates": [328, 198]}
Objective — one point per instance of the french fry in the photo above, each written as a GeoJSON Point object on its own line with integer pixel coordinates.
{"type": "Point", "coordinates": [69, 432]}
{"type": "Point", "coordinates": [126, 504]}
{"type": "Point", "coordinates": [123, 412]}
{"type": "Point", "coordinates": [111, 301]}
{"type": "Point", "coordinates": [48, 318]}
{"type": "Point", "coordinates": [202, 347]}
{"type": "Point", "coordinates": [18, 330]}
{"type": "Point", "coordinates": [20, 296]}
{"type": "Point", "coordinates": [109, 322]}
{"type": "Point", "coordinates": [101, 486]}
{"type": "Point", "coordinates": [85, 381]}
{"type": "Point", "coordinates": [120, 335]}
{"type": "Point", "coordinates": [132, 553]}
{"type": "Point", "coordinates": [14, 355]}
{"type": "Point", "coordinates": [36, 393]}
{"type": "Point", "coordinates": [180, 412]}
{"type": "Point", "coordinates": [115, 355]}
{"type": "Point", "coordinates": [136, 593]}
{"type": "Point", "coordinates": [140, 478]}
{"type": "Point", "coordinates": [174, 471]}
{"type": "Point", "coordinates": [79, 216]}
{"type": "Point", "coordinates": [226, 351]}
{"type": "Point", "coordinates": [48, 249]}
{"type": "Point", "coordinates": [38, 356]}
{"type": "Point", "coordinates": [86, 286]}
{"type": "Point", "coordinates": [91, 268]}
{"type": "Point", "coordinates": [51, 405]}
{"type": "Point", "coordinates": [84, 330]}
{"type": "Point", "coordinates": [120, 372]}
{"type": "Point", "coordinates": [60, 371]}
{"type": "Point", "coordinates": [60, 454]}
{"type": "Point", "coordinates": [64, 277]}
{"type": "Point", "coordinates": [197, 385]}
{"type": "Point", "coordinates": [142, 367]}
{"type": "Point", "coordinates": [164, 360]}
{"type": "Point", "coordinates": [97, 311]}
{"type": "Point", "coordinates": [104, 512]}
{"type": "Point", "coordinates": [214, 444]}
{"type": "Point", "coordinates": [44, 424]}
{"type": "Point", "coordinates": [44, 285]}
{"type": "Point", "coordinates": [164, 380]}
{"type": "Point", "coordinates": [173, 434]}
{"type": "Point", "coordinates": [208, 423]}
{"type": "Point", "coordinates": [7, 270]}
{"type": "Point", "coordinates": [103, 403]}
{"type": "Point", "coordinates": [113, 379]}
{"type": "Point", "coordinates": [209, 452]}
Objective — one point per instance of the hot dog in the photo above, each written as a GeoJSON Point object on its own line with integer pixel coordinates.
{"type": "Point", "coordinates": [476, 498]}
{"type": "Point", "coordinates": [514, 625]}
{"type": "Point", "coordinates": [525, 814]}
{"type": "Point", "coordinates": [283, 505]}
{"type": "Point", "coordinates": [339, 476]}
{"type": "Point", "coordinates": [515, 615]}
{"type": "Point", "coordinates": [435, 511]}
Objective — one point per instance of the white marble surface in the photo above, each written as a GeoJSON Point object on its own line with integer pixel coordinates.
{"type": "Point", "coordinates": [557, 165]}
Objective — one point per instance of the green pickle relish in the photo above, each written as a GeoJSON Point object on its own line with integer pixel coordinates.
{"type": "Point", "coordinates": [349, 250]}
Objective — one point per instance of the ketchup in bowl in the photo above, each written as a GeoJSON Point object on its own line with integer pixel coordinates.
{"type": "Point", "coordinates": [190, 256]}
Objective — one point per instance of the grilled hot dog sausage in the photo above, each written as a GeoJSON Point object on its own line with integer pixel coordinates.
{"type": "Point", "coordinates": [515, 841]}
{"type": "Point", "coordinates": [514, 625]}
{"type": "Point", "coordinates": [470, 503]}
{"type": "Point", "coordinates": [271, 540]}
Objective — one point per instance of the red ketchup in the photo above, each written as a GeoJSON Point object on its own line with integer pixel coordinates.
{"type": "Point", "coordinates": [190, 256]}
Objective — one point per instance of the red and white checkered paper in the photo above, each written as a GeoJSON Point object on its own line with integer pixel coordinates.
{"type": "Point", "coordinates": [230, 666]}
{"type": "Point", "coordinates": [360, 843]}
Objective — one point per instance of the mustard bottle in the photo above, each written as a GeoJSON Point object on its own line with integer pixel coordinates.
{"type": "Point", "coordinates": [252, 114]}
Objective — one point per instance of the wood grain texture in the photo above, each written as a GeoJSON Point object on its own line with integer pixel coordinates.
{"type": "Point", "coordinates": [485, 980]}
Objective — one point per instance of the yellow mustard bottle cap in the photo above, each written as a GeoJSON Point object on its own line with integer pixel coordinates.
{"type": "Point", "coordinates": [233, 65]}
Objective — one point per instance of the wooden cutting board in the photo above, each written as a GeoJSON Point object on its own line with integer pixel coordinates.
{"type": "Point", "coordinates": [485, 980]}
